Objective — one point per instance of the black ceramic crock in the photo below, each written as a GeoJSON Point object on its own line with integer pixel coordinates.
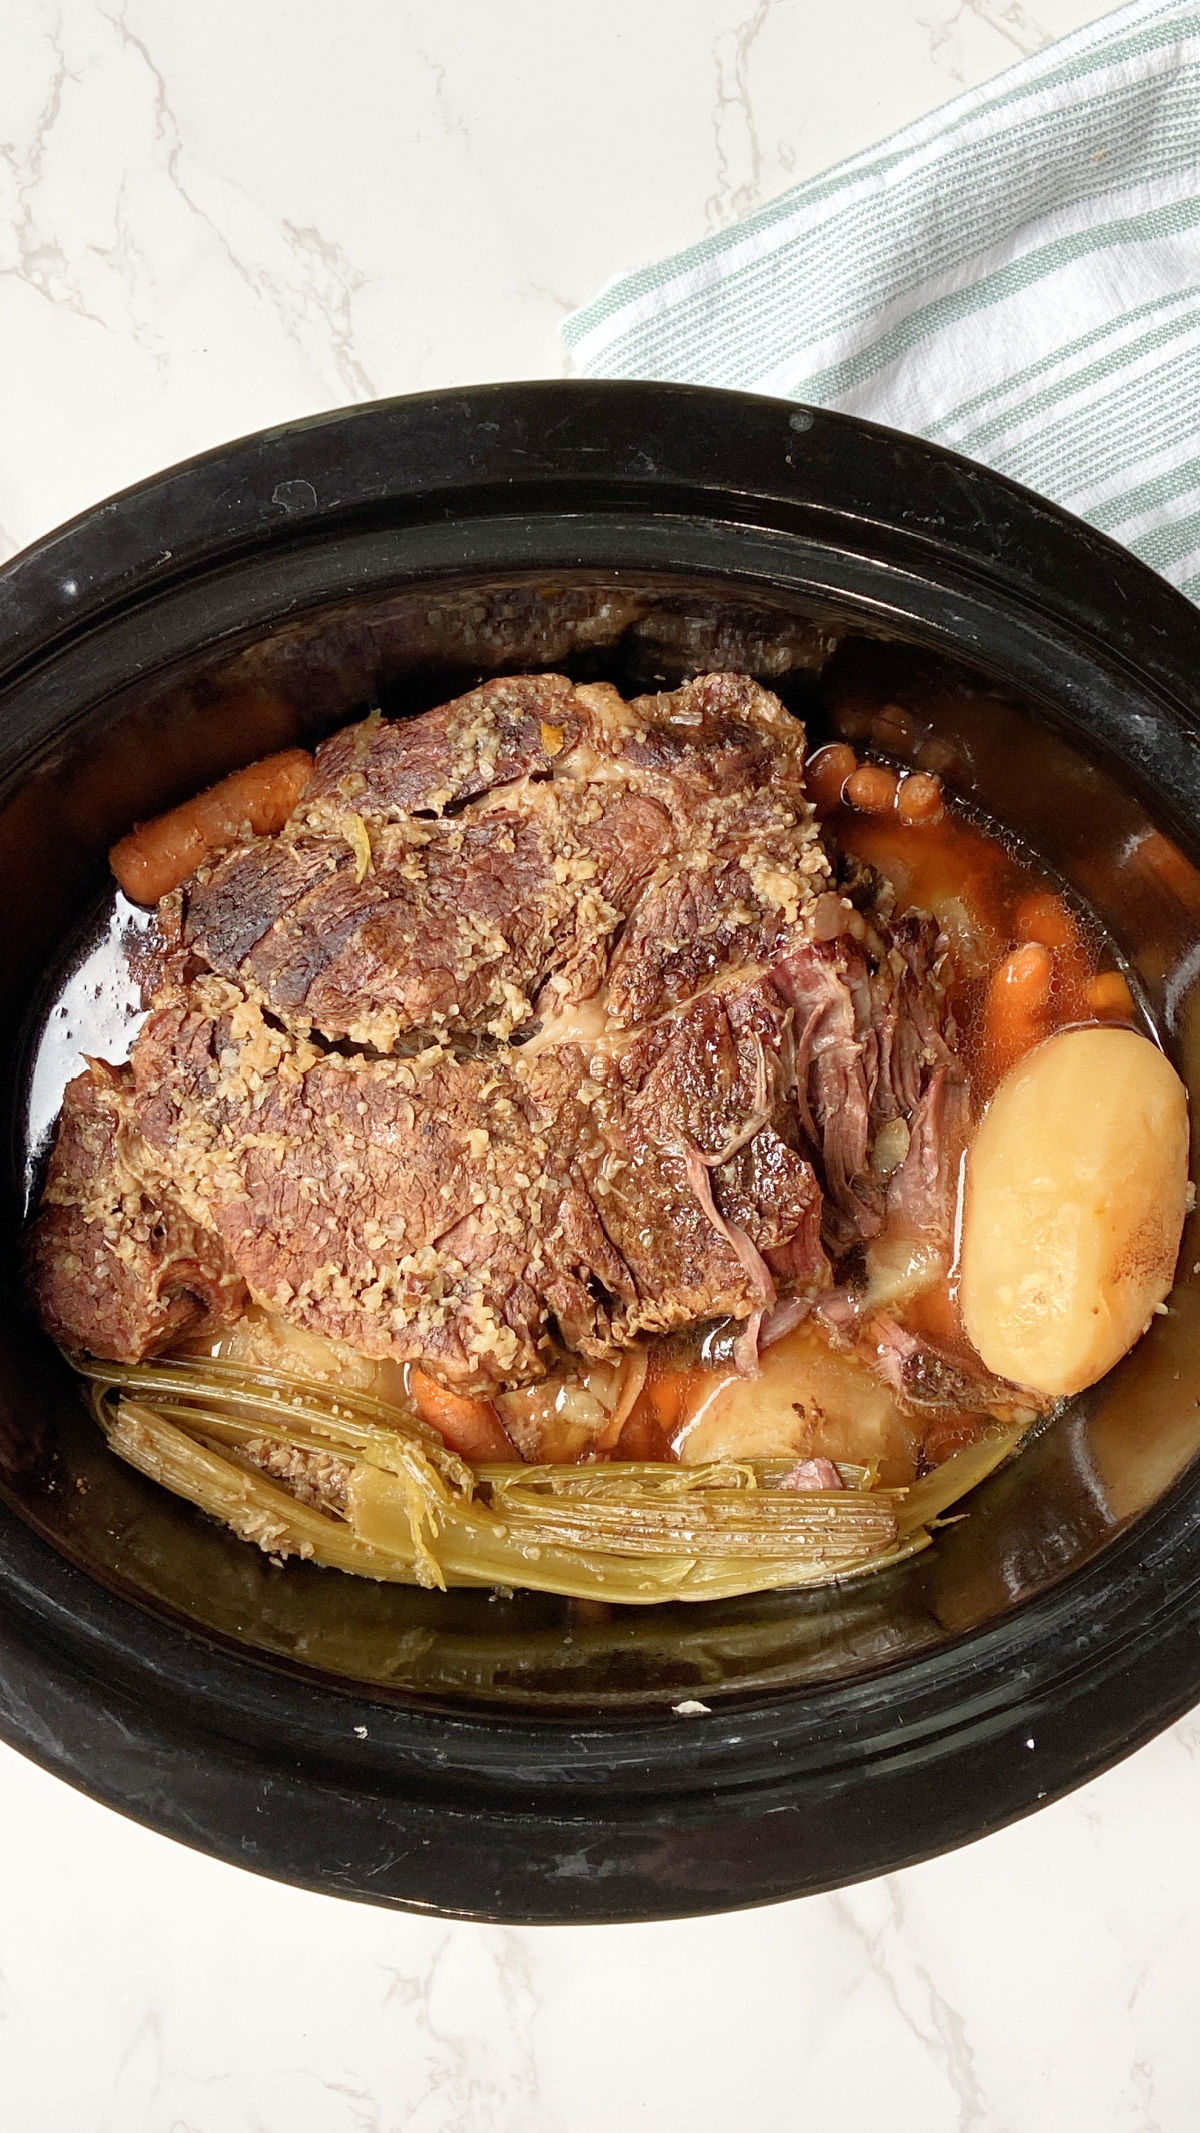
{"type": "Point", "coordinates": [518, 1757]}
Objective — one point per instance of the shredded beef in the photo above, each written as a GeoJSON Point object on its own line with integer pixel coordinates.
{"type": "Point", "coordinates": [875, 1042]}
{"type": "Point", "coordinates": [931, 1379]}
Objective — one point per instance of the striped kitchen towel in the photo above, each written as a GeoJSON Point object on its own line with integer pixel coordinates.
{"type": "Point", "coordinates": [1017, 276]}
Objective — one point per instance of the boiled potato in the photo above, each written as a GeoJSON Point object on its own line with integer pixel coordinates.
{"type": "Point", "coordinates": [1075, 1198]}
{"type": "Point", "coordinates": [805, 1401]}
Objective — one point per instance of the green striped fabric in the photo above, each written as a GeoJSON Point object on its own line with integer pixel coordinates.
{"type": "Point", "coordinates": [1017, 276]}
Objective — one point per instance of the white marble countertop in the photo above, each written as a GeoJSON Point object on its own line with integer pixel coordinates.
{"type": "Point", "coordinates": [219, 217]}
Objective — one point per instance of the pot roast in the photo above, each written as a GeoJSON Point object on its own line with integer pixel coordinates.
{"type": "Point", "coordinates": [543, 1023]}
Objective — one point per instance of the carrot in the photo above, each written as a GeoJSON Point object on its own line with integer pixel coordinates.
{"type": "Point", "coordinates": [872, 789]}
{"type": "Point", "coordinates": [665, 1394]}
{"type": "Point", "coordinates": [1109, 997]}
{"type": "Point", "coordinates": [825, 775]}
{"type": "Point", "coordinates": [919, 798]}
{"type": "Point", "coordinates": [940, 758]}
{"type": "Point", "coordinates": [853, 719]}
{"type": "Point", "coordinates": [657, 1412]}
{"type": "Point", "coordinates": [641, 1436]}
{"type": "Point", "coordinates": [1044, 917]}
{"type": "Point", "coordinates": [1018, 994]}
{"type": "Point", "coordinates": [893, 730]}
{"type": "Point", "coordinates": [156, 856]}
{"type": "Point", "coordinates": [470, 1427]}
{"type": "Point", "coordinates": [1167, 861]}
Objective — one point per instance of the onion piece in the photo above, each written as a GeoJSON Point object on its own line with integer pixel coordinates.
{"type": "Point", "coordinates": [637, 1363]}
{"type": "Point", "coordinates": [783, 1319]}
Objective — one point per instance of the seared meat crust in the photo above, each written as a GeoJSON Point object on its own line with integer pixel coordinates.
{"type": "Point", "coordinates": [116, 1266]}
{"type": "Point", "coordinates": [678, 822]}
{"type": "Point", "coordinates": [474, 1213]}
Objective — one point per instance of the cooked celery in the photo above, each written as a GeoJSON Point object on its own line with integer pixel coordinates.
{"type": "Point", "coordinates": [416, 1513]}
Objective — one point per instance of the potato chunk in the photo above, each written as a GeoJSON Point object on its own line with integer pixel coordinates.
{"type": "Point", "coordinates": [1075, 1199]}
{"type": "Point", "coordinates": [805, 1401]}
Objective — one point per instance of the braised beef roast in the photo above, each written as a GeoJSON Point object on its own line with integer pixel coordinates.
{"type": "Point", "coordinates": [542, 1023]}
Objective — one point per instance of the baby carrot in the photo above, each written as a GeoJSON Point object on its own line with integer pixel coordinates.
{"type": "Point", "coordinates": [919, 799]}
{"type": "Point", "coordinates": [656, 1414]}
{"type": "Point", "coordinates": [872, 789]}
{"type": "Point", "coordinates": [1016, 1003]}
{"type": "Point", "coordinates": [1167, 861]}
{"type": "Point", "coordinates": [825, 775]}
{"type": "Point", "coordinates": [1044, 917]}
{"type": "Point", "coordinates": [893, 730]}
{"type": "Point", "coordinates": [156, 856]}
{"type": "Point", "coordinates": [1109, 997]}
{"type": "Point", "coordinates": [470, 1427]}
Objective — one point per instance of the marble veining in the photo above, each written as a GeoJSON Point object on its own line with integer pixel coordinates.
{"type": "Point", "coordinates": [215, 219]}
{"type": "Point", "coordinates": [221, 217]}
